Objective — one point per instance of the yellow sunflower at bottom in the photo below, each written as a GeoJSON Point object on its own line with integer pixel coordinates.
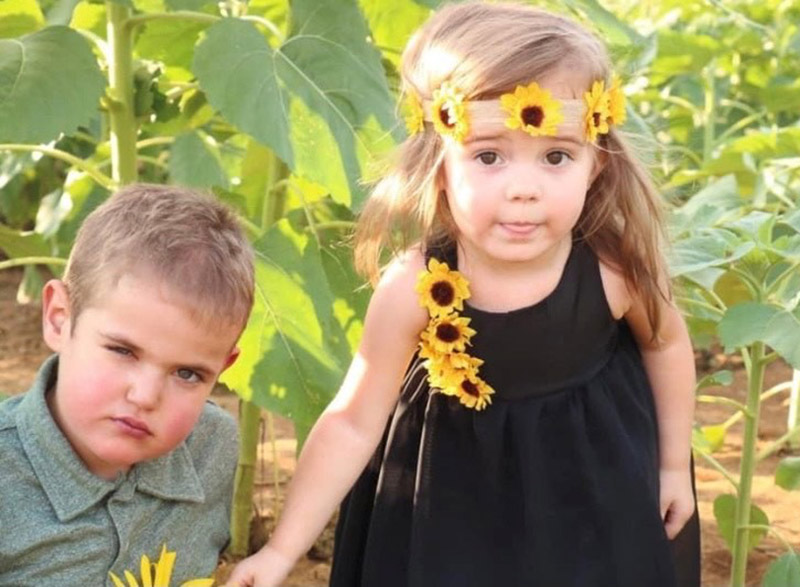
{"type": "Point", "coordinates": [158, 574]}
{"type": "Point", "coordinates": [446, 372]}
{"type": "Point", "coordinates": [441, 290]}
{"type": "Point", "coordinates": [597, 113]}
{"type": "Point", "coordinates": [472, 391]}
{"type": "Point", "coordinates": [533, 109]}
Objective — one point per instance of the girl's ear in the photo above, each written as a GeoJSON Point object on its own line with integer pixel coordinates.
{"type": "Point", "coordinates": [55, 314]}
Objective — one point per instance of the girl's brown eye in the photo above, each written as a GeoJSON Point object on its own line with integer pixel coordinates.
{"type": "Point", "coordinates": [556, 157]}
{"type": "Point", "coordinates": [488, 158]}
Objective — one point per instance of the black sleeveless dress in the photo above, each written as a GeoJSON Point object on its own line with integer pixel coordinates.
{"type": "Point", "coordinates": [555, 484]}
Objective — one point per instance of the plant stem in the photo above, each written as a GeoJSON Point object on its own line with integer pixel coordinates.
{"type": "Point", "coordinates": [708, 113]}
{"type": "Point", "coordinates": [81, 164]}
{"type": "Point", "coordinates": [747, 467]}
{"type": "Point", "coordinates": [793, 421]}
{"type": "Point", "coordinates": [120, 80]}
{"type": "Point", "coordinates": [21, 261]}
{"type": "Point", "coordinates": [249, 423]}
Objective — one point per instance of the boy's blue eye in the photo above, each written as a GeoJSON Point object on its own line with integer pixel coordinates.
{"type": "Point", "coordinates": [557, 157]}
{"type": "Point", "coordinates": [189, 375]}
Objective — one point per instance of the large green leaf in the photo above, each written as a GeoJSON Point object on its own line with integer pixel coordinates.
{"type": "Point", "coordinates": [725, 513]}
{"type": "Point", "coordinates": [320, 100]}
{"type": "Point", "coordinates": [193, 162]}
{"type": "Point", "coordinates": [294, 351]}
{"type": "Point", "coordinates": [170, 42]}
{"type": "Point", "coordinates": [49, 83]}
{"type": "Point", "coordinates": [16, 244]}
{"type": "Point", "coordinates": [744, 324]}
{"type": "Point", "coordinates": [713, 248]}
{"type": "Point", "coordinates": [784, 572]}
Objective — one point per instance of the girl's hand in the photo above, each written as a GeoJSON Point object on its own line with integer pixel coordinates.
{"type": "Point", "coordinates": [266, 568]}
{"type": "Point", "coordinates": [677, 499]}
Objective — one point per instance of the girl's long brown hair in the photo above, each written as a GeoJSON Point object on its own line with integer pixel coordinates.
{"type": "Point", "coordinates": [486, 50]}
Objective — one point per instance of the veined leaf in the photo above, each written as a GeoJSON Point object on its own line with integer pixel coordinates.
{"type": "Point", "coordinates": [744, 324]}
{"type": "Point", "coordinates": [725, 513]}
{"type": "Point", "coordinates": [294, 352]}
{"type": "Point", "coordinates": [783, 572]}
{"type": "Point", "coordinates": [320, 100]}
{"type": "Point", "coordinates": [193, 162]}
{"type": "Point", "coordinates": [49, 83]}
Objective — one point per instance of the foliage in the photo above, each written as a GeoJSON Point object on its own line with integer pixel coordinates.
{"type": "Point", "coordinates": [282, 107]}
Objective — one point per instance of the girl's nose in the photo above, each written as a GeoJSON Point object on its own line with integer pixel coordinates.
{"type": "Point", "coordinates": [524, 188]}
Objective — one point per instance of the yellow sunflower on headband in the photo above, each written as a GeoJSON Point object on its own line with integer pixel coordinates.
{"type": "Point", "coordinates": [616, 103]}
{"type": "Point", "coordinates": [449, 112]}
{"type": "Point", "coordinates": [597, 112]}
{"type": "Point", "coordinates": [441, 290]}
{"type": "Point", "coordinates": [532, 109]}
{"type": "Point", "coordinates": [413, 113]}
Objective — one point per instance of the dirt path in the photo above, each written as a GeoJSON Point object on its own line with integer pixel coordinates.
{"type": "Point", "coordinates": [21, 351]}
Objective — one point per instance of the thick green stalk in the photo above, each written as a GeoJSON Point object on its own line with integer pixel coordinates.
{"type": "Point", "coordinates": [249, 415]}
{"type": "Point", "coordinates": [120, 103]}
{"type": "Point", "coordinates": [249, 427]}
{"type": "Point", "coordinates": [748, 464]}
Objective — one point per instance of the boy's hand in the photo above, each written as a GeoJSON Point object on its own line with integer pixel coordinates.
{"type": "Point", "coordinates": [677, 499]}
{"type": "Point", "coordinates": [266, 568]}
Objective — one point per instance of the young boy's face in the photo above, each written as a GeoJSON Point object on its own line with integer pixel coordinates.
{"type": "Point", "coordinates": [134, 374]}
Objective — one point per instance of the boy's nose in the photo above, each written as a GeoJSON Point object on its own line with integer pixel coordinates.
{"type": "Point", "coordinates": [145, 390]}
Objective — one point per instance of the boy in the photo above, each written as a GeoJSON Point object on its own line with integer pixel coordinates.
{"type": "Point", "coordinates": [115, 451]}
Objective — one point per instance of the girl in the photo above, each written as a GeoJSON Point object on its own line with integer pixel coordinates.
{"type": "Point", "coordinates": [542, 431]}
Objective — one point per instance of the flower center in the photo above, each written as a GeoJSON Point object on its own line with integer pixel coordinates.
{"type": "Point", "coordinates": [470, 388]}
{"type": "Point", "coordinates": [596, 119]}
{"type": "Point", "coordinates": [447, 332]}
{"type": "Point", "coordinates": [444, 116]}
{"type": "Point", "coordinates": [443, 293]}
{"type": "Point", "coordinates": [533, 116]}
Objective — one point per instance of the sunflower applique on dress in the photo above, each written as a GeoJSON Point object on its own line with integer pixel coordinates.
{"type": "Point", "coordinates": [443, 343]}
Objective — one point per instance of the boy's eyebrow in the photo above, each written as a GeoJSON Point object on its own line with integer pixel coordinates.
{"type": "Point", "coordinates": [122, 341]}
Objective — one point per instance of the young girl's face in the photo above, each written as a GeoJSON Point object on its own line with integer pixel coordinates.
{"type": "Point", "coordinates": [514, 197]}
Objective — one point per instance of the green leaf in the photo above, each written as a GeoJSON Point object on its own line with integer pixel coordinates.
{"type": "Point", "coordinates": [17, 244]}
{"type": "Point", "coordinates": [392, 23]}
{"type": "Point", "coordinates": [783, 572]}
{"type": "Point", "coordinates": [725, 513]}
{"type": "Point", "coordinates": [723, 377]}
{"type": "Point", "coordinates": [194, 162]}
{"type": "Point", "coordinates": [708, 205]}
{"type": "Point", "coordinates": [788, 473]}
{"type": "Point", "coordinates": [614, 30]}
{"type": "Point", "coordinates": [714, 436]}
{"type": "Point", "coordinates": [294, 352]}
{"type": "Point", "coordinates": [61, 12]}
{"type": "Point", "coordinates": [709, 249]}
{"type": "Point", "coordinates": [320, 100]}
{"type": "Point", "coordinates": [49, 83]}
{"type": "Point", "coordinates": [170, 42]}
{"type": "Point", "coordinates": [744, 324]}
{"type": "Point", "coordinates": [19, 17]}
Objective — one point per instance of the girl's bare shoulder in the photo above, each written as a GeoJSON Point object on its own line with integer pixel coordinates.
{"type": "Point", "coordinates": [395, 296]}
{"type": "Point", "coordinates": [616, 289]}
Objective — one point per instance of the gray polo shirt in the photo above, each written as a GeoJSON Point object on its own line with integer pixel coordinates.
{"type": "Point", "coordinates": [62, 525]}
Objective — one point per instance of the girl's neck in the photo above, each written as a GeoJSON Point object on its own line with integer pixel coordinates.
{"type": "Point", "coordinates": [506, 286]}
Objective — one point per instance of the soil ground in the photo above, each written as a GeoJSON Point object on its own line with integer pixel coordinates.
{"type": "Point", "coordinates": [22, 350]}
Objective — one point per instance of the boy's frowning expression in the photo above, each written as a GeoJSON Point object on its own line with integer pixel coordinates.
{"type": "Point", "coordinates": [134, 372]}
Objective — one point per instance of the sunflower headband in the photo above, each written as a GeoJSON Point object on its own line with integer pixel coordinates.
{"type": "Point", "coordinates": [529, 108]}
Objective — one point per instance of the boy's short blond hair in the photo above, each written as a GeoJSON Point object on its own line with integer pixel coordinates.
{"type": "Point", "coordinates": [185, 240]}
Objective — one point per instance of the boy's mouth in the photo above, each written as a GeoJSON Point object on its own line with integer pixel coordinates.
{"type": "Point", "coordinates": [133, 426]}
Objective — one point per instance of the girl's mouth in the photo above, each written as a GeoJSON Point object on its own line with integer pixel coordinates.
{"type": "Point", "coordinates": [519, 228]}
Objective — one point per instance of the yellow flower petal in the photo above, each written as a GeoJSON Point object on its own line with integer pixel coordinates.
{"type": "Point", "coordinates": [616, 103]}
{"type": "Point", "coordinates": [131, 579]}
{"type": "Point", "coordinates": [146, 571]}
{"type": "Point", "coordinates": [447, 334]}
{"type": "Point", "coordinates": [199, 583]}
{"type": "Point", "coordinates": [413, 113]}
{"type": "Point", "coordinates": [533, 109]}
{"type": "Point", "coordinates": [449, 112]}
{"type": "Point", "coordinates": [116, 580]}
{"type": "Point", "coordinates": [166, 561]}
{"type": "Point", "coordinates": [473, 392]}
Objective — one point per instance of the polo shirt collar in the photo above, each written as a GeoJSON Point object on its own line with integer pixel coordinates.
{"type": "Point", "coordinates": [71, 488]}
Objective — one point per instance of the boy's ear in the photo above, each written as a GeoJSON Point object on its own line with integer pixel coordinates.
{"type": "Point", "coordinates": [55, 314]}
{"type": "Point", "coordinates": [231, 358]}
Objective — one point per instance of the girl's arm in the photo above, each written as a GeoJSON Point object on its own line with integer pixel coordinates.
{"type": "Point", "coordinates": [348, 431]}
{"type": "Point", "coordinates": [669, 362]}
